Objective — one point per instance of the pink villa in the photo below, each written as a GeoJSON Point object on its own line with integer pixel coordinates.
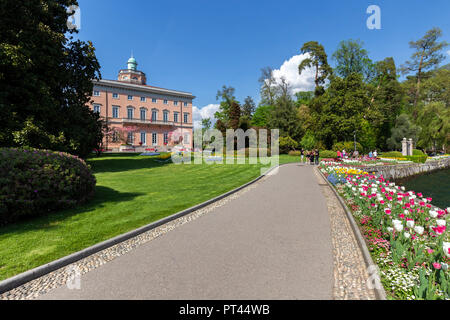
{"type": "Point", "coordinates": [142, 117]}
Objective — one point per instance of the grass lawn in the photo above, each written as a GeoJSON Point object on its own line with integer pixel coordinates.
{"type": "Point", "coordinates": [131, 191]}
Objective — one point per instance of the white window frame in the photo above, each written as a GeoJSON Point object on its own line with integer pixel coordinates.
{"type": "Point", "coordinates": [145, 114]}
{"type": "Point", "coordinates": [186, 117]}
{"type": "Point", "coordinates": [185, 104]}
{"type": "Point", "coordinates": [144, 135]}
{"type": "Point", "coordinates": [99, 108]}
{"type": "Point", "coordinates": [130, 97]}
{"type": "Point", "coordinates": [118, 111]}
{"type": "Point", "coordinates": [166, 116]}
{"type": "Point", "coordinates": [166, 138]}
{"type": "Point", "coordinates": [96, 93]}
{"type": "Point", "coordinates": [175, 103]}
{"type": "Point", "coordinates": [128, 113]}
{"type": "Point", "coordinates": [143, 99]}
{"type": "Point", "coordinates": [155, 113]}
{"type": "Point", "coordinates": [175, 117]}
{"type": "Point", "coordinates": [116, 95]}
{"type": "Point", "coordinates": [166, 101]}
{"type": "Point", "coordinates": [154, 100]}
{"type": "Point", "coordinates": [130, 135]}
{"type": "Point", "coordinates": [154, 138]}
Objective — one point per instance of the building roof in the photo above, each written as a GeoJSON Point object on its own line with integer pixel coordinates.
{"type": "Point", "coordinates": [143, 88]}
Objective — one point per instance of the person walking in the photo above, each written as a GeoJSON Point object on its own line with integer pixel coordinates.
{"type": "Point", "coordinates": [302, 153]}
{"type": "Point", "coordinates": [370, 154]}
{"type": "Point", "coordinates": [317, 157]}
{"type": "Point", "coordinates": [339, 155]}
{"type": "Point", "coordinates": [375, 154]}
{"type": "Point", "coordinates": [311, 157]}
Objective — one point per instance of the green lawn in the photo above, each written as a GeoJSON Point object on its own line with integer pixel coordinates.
{"type": "Point", "coordinates": [131, 191]}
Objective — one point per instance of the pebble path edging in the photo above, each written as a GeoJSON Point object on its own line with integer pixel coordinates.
{"type": "Point", "coordinates": [350, 273]}
{"type": "Point", "coordinates": [60, 277]}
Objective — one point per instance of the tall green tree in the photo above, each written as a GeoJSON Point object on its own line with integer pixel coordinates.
{"type": "Point", "coordinates": [351, 57]}
{"type": "Point", "coordinates": [248, 108]}
{"type": "Point", "coordinates": [235, 115]}
{"type": "Point", "coordinates": [317, 60]}
{"type": "Point", "coordinates": [340, 110]}
{"type": "Point", "coordinates": [404, 128]}
{"type": "Point", "coordinates": [45, 78]}
{"type": "Point", "coordinates": [284, 118]}
{"type": "Point", "coordinates": [226, 95]}
{"type": "Point", "coordinates": [434, 120]}
{"type": "Point", "coordinates": [269, 88]}
{"type": "Point", "coordinates": [428, 54]}
{"type": "Point", "coordinates": [387, 102]}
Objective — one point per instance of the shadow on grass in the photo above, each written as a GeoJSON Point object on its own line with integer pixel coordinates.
{"type": "Point", "coordinates": [52, 220]}
{"type": "Point", "coordinates": [124, 162]}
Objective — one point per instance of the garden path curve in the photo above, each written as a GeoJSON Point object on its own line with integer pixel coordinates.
{"type": "Point", "coordinates": [273, 242]}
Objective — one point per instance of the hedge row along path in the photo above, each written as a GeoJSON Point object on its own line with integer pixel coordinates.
{"type": "Point", "coordinates": [274, 241]}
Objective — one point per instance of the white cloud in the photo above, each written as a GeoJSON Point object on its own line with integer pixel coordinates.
{"type": "Point", "coordinates": [289, 70]}
{"type": "Point", "coordinates": [204, 113]}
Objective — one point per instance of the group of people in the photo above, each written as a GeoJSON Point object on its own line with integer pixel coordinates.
{"type": "Point", "coordinates": [312, 156]}
{"type": "Point", "coordinates": [355, 154]}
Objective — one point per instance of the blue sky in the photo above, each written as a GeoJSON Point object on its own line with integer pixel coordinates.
{"type": "Point", "coordinates": [201, 45]}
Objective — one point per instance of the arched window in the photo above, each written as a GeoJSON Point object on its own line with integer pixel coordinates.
{"type": "Point", "coordinates": [143, 113]}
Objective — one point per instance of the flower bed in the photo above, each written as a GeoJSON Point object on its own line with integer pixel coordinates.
{"type": "Point", "coordinates": [406, 235]}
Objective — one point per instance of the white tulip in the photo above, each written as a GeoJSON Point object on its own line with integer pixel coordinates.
{"type": "Point", "coordinates": [433, 213]}
{"type": "Point", "coordinates": [419, 230]}
{"type": "Point", "coordinates": [441, 223]}
{"type": "Point", "coordinates": [446, 247]}
{"type": "Point", "coordinates": [410, 224]}
{"type": "Point", "coordinates": [407, 235]}
{"type": "Point", "coordinates": [390, 229]}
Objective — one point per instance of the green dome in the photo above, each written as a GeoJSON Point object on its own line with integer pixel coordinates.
{"type": "Point", "coordinates": [132, 63]}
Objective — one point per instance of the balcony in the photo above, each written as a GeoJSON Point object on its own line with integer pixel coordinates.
{"type": "Point", "coordinates": [148, 121]}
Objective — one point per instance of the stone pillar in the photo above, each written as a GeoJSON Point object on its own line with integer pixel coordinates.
{"type": "Point", "coordinates": [410, 147]}
{"type": "Point", "coordinates": [404, 147]}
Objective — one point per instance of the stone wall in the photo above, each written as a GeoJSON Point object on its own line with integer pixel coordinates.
{"type": "Point", "coordinates": [400, 171]}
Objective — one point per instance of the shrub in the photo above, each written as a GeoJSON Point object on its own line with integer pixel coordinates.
{"type": "Point", "coordinates": [417, 152]}
{"type": "Point", "coordinates": [392, 154]}
{"type": "Point", "coordinates": [417, 159]}
{"type": "Point", "coordinates": [348, 146]}
{"type": "Point", "coordinates": [328, 154]}
{"type": "Point", "coordinates": [287, 144]}
{"type": "Point", "coordinates": [34, 182]}
{"type": "Point", "coordinates": [294, 153]}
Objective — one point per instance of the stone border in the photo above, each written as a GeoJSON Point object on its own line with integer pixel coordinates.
{"type": "Point", "coordinates": [380, 293]}
{"type": "Point", "coordinates": [27, 276]}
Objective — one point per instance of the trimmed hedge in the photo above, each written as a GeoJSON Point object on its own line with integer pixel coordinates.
{"type": "Point", "coordinates": [392, 154]}
{"type": "Point", "coordinates": [294, 153]}
{"type": "Point", "coordinates": [35, 182]}
{"type": "Point", "coordinates": [417, 159]}
{"type": "Point", "coordinates": [417, 152]}
{"type": "Point", "coordinates": [348, 146]}
{"type": "Point", "coordinates": [328, 154]}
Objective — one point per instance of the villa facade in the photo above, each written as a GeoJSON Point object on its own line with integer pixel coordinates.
{"type": "Point", "coordinates": [142, 117]}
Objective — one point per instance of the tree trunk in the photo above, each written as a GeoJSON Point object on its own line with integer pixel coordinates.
{"type": "Point", "coordinates": [416, 98]}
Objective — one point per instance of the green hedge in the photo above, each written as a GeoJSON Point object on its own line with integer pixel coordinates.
{"type": "Point", "coordinates": [35, 182]}
{"type": "Point", "coordinates": [417, 152]}
{"type": "Point", "coordinates": [328, 154]}
{"type": "Point", "coordinates": [392, 154]}
{"type": "Point", "coordinates": [417, 159]}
